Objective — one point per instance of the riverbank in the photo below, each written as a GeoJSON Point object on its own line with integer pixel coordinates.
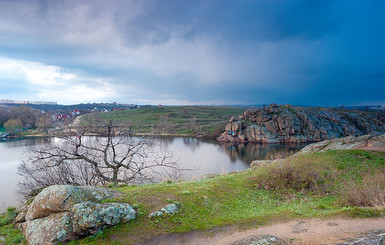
{"type": "Point", "coordinates": [313, 186]}
{"type": "Point", "coordinates": [40, 134]}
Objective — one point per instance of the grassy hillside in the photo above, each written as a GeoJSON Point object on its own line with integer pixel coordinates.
{"type": "Point", "coordinates": [319, 185]}
{"type": "Point", "coordinates": [180, 120]}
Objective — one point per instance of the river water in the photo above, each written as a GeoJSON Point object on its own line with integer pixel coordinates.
{"type": "Point", "coordinates": [199, 156]}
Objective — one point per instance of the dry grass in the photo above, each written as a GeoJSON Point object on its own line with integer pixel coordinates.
{"type": "Point", "coordinates": [302, 173]}
{"type": "Point", "coordinates": [368, 193]}
{"type": "Point", "coordinates": [278, 154]}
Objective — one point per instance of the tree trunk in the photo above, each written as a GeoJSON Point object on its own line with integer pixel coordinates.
{"type": "Point", "coordinates": [115, 177]}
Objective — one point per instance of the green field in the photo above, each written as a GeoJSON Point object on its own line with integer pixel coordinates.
{"type": "Point", "coordinates": [205, 121]}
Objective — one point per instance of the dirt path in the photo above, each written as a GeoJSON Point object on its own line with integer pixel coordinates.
{"type": "Point", "coordinates": [76, 121]}
{"type": "Point", "coordinates": [371, 148]}
{"type": "Point", "coordinates": [298, 232]}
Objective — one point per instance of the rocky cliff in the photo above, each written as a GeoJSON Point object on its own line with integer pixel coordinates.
{"type": "Point", "coordinates": [279, 123]}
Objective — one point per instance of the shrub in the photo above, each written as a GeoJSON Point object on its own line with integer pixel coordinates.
{"type": "Point", "coordinates": [370, 192]}
{"type": "Point", "coordinates": [301, 173]}
{"type": "Point", "coordinates": [364, 212]}
{"type": "Point", "coordinates": [278, 154]}
{"type": "Point", "coordinates": [18, 239]}
{"type": "Point", "coordinates": [8, 217]}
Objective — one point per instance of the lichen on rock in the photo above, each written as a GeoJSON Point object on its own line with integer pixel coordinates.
{"type": "Point", "coordinates": [88, 218]}
{"type": "Point", "coordinates": [60, 198]}
{"type": "Point", "coordinates": [170, 209]}
{"type": "Point", "coordinates": [63, 213]}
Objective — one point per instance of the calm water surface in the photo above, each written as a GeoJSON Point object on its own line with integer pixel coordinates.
{"type": "Point", "coordinates": [203, 156]}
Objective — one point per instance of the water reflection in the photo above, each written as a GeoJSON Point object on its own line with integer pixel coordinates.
{"type": "Point", "coordinates": [249, 152]}
{"type": "Point", "coordinates": [200, 156]}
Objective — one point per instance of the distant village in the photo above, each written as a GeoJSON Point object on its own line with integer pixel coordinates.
{"type": "Point", "coordinates": [65, 112]}
{"type": "Point", "coordinates": [28, 102]}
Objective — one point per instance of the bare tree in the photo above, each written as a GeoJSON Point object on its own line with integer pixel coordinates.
{"type": "Point", "coordinates": [44, 122]}
{"type": "Point", "coordinates": [78, 159]}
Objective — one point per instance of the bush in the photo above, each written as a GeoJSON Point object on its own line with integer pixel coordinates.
{"type": "Point", "coordinates": [302, 173]}
{"type": "Point", "coordinates": [365, 212]}
{"type": "Point", "coordinates": [277, 154]}
{"type": "Point", "coordinates": [370, 192]}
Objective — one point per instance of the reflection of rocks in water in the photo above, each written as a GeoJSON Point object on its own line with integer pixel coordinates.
{"type": "Point", "coordinates": [192, 143]}
{"type": "Point", "coordinates": [254, 151]}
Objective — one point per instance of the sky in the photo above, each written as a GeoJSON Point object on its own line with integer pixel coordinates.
{"type": "Point", "coordinates": [190, 52]}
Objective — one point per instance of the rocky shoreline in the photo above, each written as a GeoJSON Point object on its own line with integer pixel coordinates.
{"type": "Point", "coordinates": [370, 142]}
{"type": "Point", "coordinates": [294, 124]}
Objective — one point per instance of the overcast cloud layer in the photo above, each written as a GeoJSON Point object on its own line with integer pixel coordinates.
{"type": "Point", "coordinates": [193, 52]}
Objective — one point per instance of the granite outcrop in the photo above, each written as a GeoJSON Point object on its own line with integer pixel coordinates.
{"type": "Point", "coordinates": [294, 124]}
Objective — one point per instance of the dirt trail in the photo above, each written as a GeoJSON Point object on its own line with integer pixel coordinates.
{"type": "Point", "coordinates": [298, 232]}
{"type": "Point", "coordinates": [371, 148]}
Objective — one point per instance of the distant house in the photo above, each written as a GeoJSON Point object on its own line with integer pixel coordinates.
{"type": "Point", "coordinates": [60, 117]}
{"type": "Point", "coordinates": [75, 113]}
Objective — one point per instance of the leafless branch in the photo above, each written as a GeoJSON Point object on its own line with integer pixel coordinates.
{"type": "Point", "coordinates": [76, 158]}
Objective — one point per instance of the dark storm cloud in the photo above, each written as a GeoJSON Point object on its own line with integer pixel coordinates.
{"type": "Point", "coordinates": [298, 52]}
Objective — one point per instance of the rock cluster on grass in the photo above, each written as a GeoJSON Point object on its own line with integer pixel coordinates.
{"type": "Point", "coordinates": [372, 238]}
{"type": "Point", "coordinates": [346, 143]}
{"type": "Point", "coordinates": [62, 213]}
{"type": "Point", "coordinates": [278, 123]}
{"type": "Point", "coordinates": [260, 240]}
{"type": "Point", "coordinates": [168, 210]}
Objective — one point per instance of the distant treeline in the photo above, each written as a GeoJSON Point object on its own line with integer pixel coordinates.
{"type": "Point", "coordinates": [16, 117]}
{"type": "Point", "coordinates": [82, 107]}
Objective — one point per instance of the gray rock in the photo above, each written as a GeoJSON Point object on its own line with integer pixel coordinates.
{"type": "Point", "coordinates": [170, 209]}
{"type": "Point", "coordinates": [60, 198]}
{"type": "Point", "coordinates": [22, 211]}
{"type": "Point", "coordinates": [373, 238]}
{"type": "Point", "coordinates": [300, 124]}
{"type": "Point", "coordinates": [346, 143]}
{"type": "Point", "coordinates": [49, 230]}
{"type": "Point", "coordinates": [156, 214]}
{"type": "Point", "coordinates": [88, 218]}
{"type": "Point", "coordinates": [260, 240]}
{"type": "Point", "coordinates": [63, 213]}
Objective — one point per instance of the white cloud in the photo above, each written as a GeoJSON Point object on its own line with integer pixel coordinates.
{"type": "Point", "coordinates": [47, 82]}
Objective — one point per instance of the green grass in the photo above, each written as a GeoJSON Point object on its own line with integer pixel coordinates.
{"type": "Point", "coordinates": [13, 236]}
{"type": "Point", "coordinates": [240, 200]}
{"type": "Point", "coordinates": [179, 120]}
{"type": "Point", "coordinates": [234, 200]}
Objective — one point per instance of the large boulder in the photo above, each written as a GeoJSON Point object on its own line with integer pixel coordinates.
{"type": "Point", "coordinates": [60, 198]}
{"type": "Point", "coordinates": [63, 213]}
{"type": "Point", "coordinates": [88, 218]}
{"type": "Point", "coordinates": [52, 229]}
